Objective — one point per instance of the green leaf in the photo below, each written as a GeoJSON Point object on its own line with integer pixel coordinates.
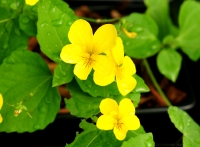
{"type": "Point", "coordinates": [54, 21]}
{"type": "Point", "coordinates": [159, 11]}
{"type": "Point", "coordinates": [189, 22]}
{"type": "Point", "coordinates": [169, 63]}
{"type": "Point", "coordinates": [11, 37]}
{"type": "Point", "coordinates": [81, 104]}
{"type": "Point", "coordinates": [63, 74]}
{"type": "Point", "coordinates": [94, 90]}
{"type": "Point", "coordinates": [141, 87]}
{"type": "Point", "coordinates": [146, 30]}
{"type": "Point", "coordinates": [28, 20]}
{"type": "Point", "coordinates": [143, 140]}
{"type": "Point", "coordinates": [26, 79]}
{"type": "Point", "coordinates": [186, 125]}
{"type": "Point", "coordinates": [93, 137]}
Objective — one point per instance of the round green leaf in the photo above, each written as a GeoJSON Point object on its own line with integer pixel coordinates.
{"type": "Point", "coordinates": [142, 140]}
{"type": "Point", "coordinates": [28, 20]}
{"type": "Point", "coordinates": [145, 44]}
{"type": "Point", "coordinates": [94, 90]}
{"type": "Point", "coordinates": [63, 73]}
{"type": "Point", "coordinates": [169, 63]}
{"type": "Point", "coordinates": [189, 22]}
{"type": "Point", "coordinates": [26, 79]}
{"type": "Point", "coordinates": [54, 21]}
{"type": "Point", "coordinates": [186, 125]}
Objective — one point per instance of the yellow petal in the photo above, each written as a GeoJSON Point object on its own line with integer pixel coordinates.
{"type": "Point", "coordinates": [82, 70]}
{"type": "Point", "coordinates": [1, 118]}
{"type": "Point", "coordinates": [120, 133]}
{"type": "Point", "coordinates": [109, 106]}
{"type": "Point", "coordinates": [126, 84]}
{"type": "Point", "coordinates": [128, 66]}
{"type": "Point", "coordinates": [80, 33]}
{"type": "Point", "coordinates": [126, 108]}
{"type": "Point", "coordinates": [118, 52]}
{"type": "Point", "coordinates": [129, 34]}
{"type": "Point", "coordinates": [131, 122]}
{"type": "Point", "coordinates": [103, 65]}
{"type": "Point", "coordinates": [31, 2]}
{"type": "Point", "coordinates": [103, 80]}
{"type": "Point", "coordinates": [105, 122]}
{"type": "Point", "coordinates": [104, 38]}
{"type": "Point", "coordinates": [1, 101]}
{"type": "Point", "coordinates": [71, 53]}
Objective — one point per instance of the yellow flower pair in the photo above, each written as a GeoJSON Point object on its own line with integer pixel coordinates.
{"type": "Point", "coordinates": [119, 118]}
{"type": "Point", "coordinates": [102, 52]}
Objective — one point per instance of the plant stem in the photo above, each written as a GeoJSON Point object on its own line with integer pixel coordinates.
{"type": "Point", "coordinates": [99, 20]}
{"type": "Point", "coordinates": [146, 64]}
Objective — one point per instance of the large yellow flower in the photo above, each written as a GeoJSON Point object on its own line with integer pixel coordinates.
{"type": "Point", "coordinates": [119, 118]}
{"type": "Point", "coordinates": [124, 70]}
{"type": "Point", "coordinates": [1, 104]}
{"type": "Point", "coordinates": [31, 2]}
{"type": "Point", "coordinates": [86, 50]}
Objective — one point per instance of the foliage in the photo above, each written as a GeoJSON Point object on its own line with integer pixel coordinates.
{"type": "Point", "coordinates": [29, 91]}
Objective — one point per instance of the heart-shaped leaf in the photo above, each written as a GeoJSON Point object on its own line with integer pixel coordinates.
{"type": "Point", "coordinates": [25, 84]}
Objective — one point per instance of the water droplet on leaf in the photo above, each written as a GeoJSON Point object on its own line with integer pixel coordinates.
{"type": "Point", "coordinates": [47, 100]}
{"type": "Point", "coordinates": [44, 24]}
{"type": "Point", "coordinates": [57, 22]}
{"type": "Point", "coordinates": [14, 5]}
{"type": "Point", "coordinates": [48, 34]}
{"type": "Point", "coordinates": [43, 109]}
{"type": "Point", "coordinates": [36, 127]}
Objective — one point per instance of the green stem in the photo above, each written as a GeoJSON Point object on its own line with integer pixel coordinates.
{"type": "Point", "coordinates": [99, 20]}
{"type": "Point", "coordinates": [146, 64]}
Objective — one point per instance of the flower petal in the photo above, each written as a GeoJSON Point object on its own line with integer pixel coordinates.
{"type": "Point", "coordinates": [131, 122]}
{"type": "Point", "coordinates": [118, 51]}
{"type": "Point", "coordinates": [1, 118]}
{"type": "Point", "coordinates": [120, 133]}
{"type": "Point", "coordinates": [81, 70]}
{"type": "Point", "coordinates": [109, 106]}
{"type": "Point", "coordinates": [80, 33]}
{"type": "Point", "coordinates": [128, 66]}
{"type": "Point", "coordinates": [1, 101]}
{"type": "Point", "coordinates": [126, 108]}
{"type": "Point", "coordinates": [71, 53]}
{"type": "Point", "coordinates": [103, 80]}
{"type": "Point", "coordinates": [105, 122]}
{"type": "Point", "coordinates": [103, 65]}
{"type": "Point", "coordinates": [126, 84]}
{"type": "Point", "coordinates": [31, 2]}
{"type": "Point", "coordinates": [104, 38]}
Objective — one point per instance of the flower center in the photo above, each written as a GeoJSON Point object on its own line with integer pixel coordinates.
{"type": "Point", "coordinates": [118, 124]}
{"type": "Point", "coordinates": [88, 60]}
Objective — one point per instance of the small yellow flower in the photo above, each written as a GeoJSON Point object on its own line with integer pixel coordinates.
{"type": "Point", "coordinates": [31, 2]}
{"type": "Point", "coordinates": [124, 69]}
{"type": "Point", "coordinates": [129, 34]}
{"type": "Point", "coordinates": [119, 118]}
{"type": "Point", "coordinates": [1, 104]}
{"type": "Point", "coordinates": [86, 49]}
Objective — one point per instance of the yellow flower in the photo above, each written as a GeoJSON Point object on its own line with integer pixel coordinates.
{"type": "Point", "coordinates": [1, 104]}
{"type": "Point", "coordinates": [31, 2]}
{"type": "Point", "coordinates": [124, 69]}
{"type": "Point", "coordinates": [119, 118]}
{"type": "Point", "coordinates": [86, 50]}
{"type": "Point", "coordinates": [129, 34]}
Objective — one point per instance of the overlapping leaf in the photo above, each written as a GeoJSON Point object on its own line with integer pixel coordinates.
{"type": "Point", "coordinates": [92, 136]}
{"type": "Point", "coordinates": [186, 125]}
{"type": "Point", "coordinates": [189, 36]}
{"type": "Point", "coordinates": [26, 79]}
{"type": "Point", "coordinates": [145, 44]}
{"type": "Point", "coordinates": [159, 11]}
{"type": "Point", "coordinates": [169, 63]}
